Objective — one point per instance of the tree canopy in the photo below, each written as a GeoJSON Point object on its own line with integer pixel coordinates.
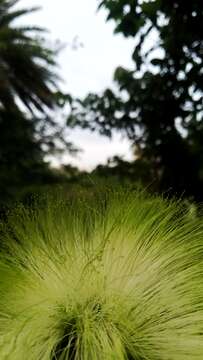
{"type": "Point", "coordinates": [159, 103]}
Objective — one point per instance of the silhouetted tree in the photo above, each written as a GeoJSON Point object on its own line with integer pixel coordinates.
{"type": "Point", "coordinates": [26, 64]}
{"type": "Point", "coordinates": [159, 104]}
{"type": "Point", "coordinates": [29, 99]}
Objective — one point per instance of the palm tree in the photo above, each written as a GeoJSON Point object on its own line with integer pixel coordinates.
{"type": "Point", "coordinates": [28, 90]}
{"type": "Point", "coordinates": [26, 64]}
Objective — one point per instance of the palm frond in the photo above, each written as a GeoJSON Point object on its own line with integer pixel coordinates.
{"type": "Point", "coordinates": [6, 18]}
{"type": "Point", "coordinates": [26, 61]}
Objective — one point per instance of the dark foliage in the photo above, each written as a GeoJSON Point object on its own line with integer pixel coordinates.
{"type": "Point", "coordinates": [160, 102]}
{"type": "Point", "coordinates": [29, 99]}
{"type": "Point", "coordinates": [25, 62]}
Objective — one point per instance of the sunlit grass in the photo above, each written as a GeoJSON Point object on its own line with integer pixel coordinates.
{"type": "Point", "coordinates": [105, 276]}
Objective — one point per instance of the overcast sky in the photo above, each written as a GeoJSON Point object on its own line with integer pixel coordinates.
{"type": "Point", "coordinates": [89, 68]}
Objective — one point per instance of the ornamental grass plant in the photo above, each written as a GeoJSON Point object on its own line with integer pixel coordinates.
{"type": "Point", "coordinates": [113, 275]}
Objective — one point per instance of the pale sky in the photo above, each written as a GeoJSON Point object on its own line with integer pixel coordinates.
{"type": "Point", "coordinates": [89, 69]}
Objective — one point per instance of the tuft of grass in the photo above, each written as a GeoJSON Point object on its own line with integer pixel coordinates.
{"type": "Point", "coordinates": [112, 275]}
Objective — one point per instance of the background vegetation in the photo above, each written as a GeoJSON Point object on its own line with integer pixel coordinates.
{"type": "Point", "coordinates": [158, 105]}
